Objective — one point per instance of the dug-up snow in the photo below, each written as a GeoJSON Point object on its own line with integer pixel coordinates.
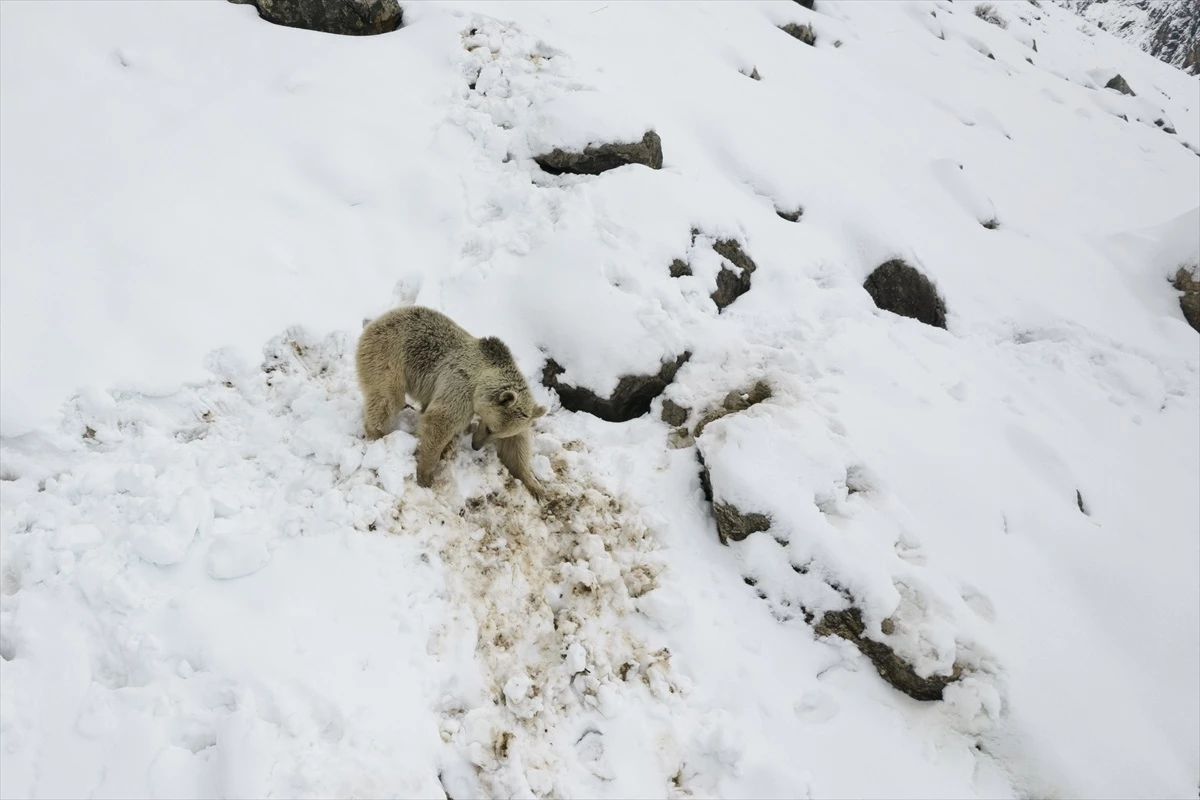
{"type": "Point", "coordinates": [844, 552]}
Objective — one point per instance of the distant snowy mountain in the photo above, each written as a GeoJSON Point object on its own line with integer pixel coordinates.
{"type": "Point", "coordinates": [1169, 30]}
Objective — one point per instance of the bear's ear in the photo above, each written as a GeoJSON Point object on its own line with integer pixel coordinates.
{"type": "Point", "coordinates": [507, 398]}
{"type": "Point", "coordinates": [538, 411]}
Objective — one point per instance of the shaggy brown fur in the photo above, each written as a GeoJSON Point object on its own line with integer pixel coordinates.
{"type": "Point", "coordinates": [422, 353]}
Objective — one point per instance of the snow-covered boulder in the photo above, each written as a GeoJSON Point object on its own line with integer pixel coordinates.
{"type": "Point", "coordinates": [631, 398]}
{"type": "Point", "coordinates": [804, 33]}
{"type": "Point", "coordinates": [587, 132]}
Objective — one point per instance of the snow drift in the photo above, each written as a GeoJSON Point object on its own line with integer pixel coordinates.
{"type": "Point", "coordinates": [213, 586]}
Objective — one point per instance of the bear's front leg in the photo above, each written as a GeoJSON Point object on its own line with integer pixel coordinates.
{"type": "Point", "coordinates": [435, 430]}
{"type": "Point", "coordinates": [514, 453]}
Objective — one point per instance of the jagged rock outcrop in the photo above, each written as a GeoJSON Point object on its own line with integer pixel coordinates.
{"type": "Point", "coordinates": [1169, 30]}
{"type": "Point", "coordinates": [631, 398]}
{"type": "Point", "coordinates": [1121, 85]}
{"type": "Point", "coordinates": [601, 158]}
{"type": "Point", "coordinates": [901, 289]}
{"type": "Point", "coordinates": [343, 17]}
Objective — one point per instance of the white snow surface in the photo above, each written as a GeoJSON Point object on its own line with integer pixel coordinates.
{"type": "Point", "coordinates": [212, 586]}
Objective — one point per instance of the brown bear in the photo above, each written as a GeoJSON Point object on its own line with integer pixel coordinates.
{"type": "Point", "coordinates": [423, 353]}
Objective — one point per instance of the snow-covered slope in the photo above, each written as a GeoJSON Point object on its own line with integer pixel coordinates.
{"type": "Point", "coordinates": [1169, 30]}
{"type": "Point", "coordinates": [212, 586]}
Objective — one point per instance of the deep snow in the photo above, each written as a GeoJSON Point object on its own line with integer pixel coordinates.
{"type": "Point", "coordinates": [212, 586]}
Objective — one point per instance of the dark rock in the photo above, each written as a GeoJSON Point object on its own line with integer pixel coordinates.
{"type": "Point", "coordinates": [791, 216]}
{"type": "Point", "coordinates": [733, 403]}
{"type": "Point", "coordinates": [848, 625]}
{"type": "Point", "coordinates": [809, 4]}
{"type": "Point", "coordinates": [1079, 502]}
{"type": "Point", "coordinates": [601, 158]}
{"type": "Point", "coordinates": [1120, 85]}
{"type": "Point", "coordinates": [991, 224]}
{"type": "Point", "coordinates": [674, 414]}
{"type": "Point", "coordinates": [754, 74]}
{"type": "Point", "coordinates": [804, 33]}
{"type": "Point", "coordinates": [345, 17]}
{"type": "Point", "coordinates": [897, 287]}
{"type": "Point", "coordinates": [629, 400]}
{"type": "Point", "coordinates": [730, 284]}
{"type": "Point", "coordinates": [1188, 282]}
{"type": "Point", "coordinates": [679, 268]}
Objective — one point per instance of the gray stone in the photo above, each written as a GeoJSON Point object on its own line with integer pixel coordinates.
{"type": "Point", "coordinates": [1120, 85]}
{"type": "Point", "coordinates": [899, 288]}
{"type": "Point", "coordinates": [345, 17]}
{"type": "Point", "coordinates": [679, 268]}
{"type": "Point", "coordinates": [674, 414]}
{"type": "Point", "coordinates": [601, 158]}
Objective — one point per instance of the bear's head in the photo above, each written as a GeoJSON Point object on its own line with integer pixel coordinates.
{"type": "Point", "coordinates": [505, 412]}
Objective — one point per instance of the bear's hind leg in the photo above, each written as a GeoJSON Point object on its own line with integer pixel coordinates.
{"type": "Point", "coordinates": [436, 429]}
